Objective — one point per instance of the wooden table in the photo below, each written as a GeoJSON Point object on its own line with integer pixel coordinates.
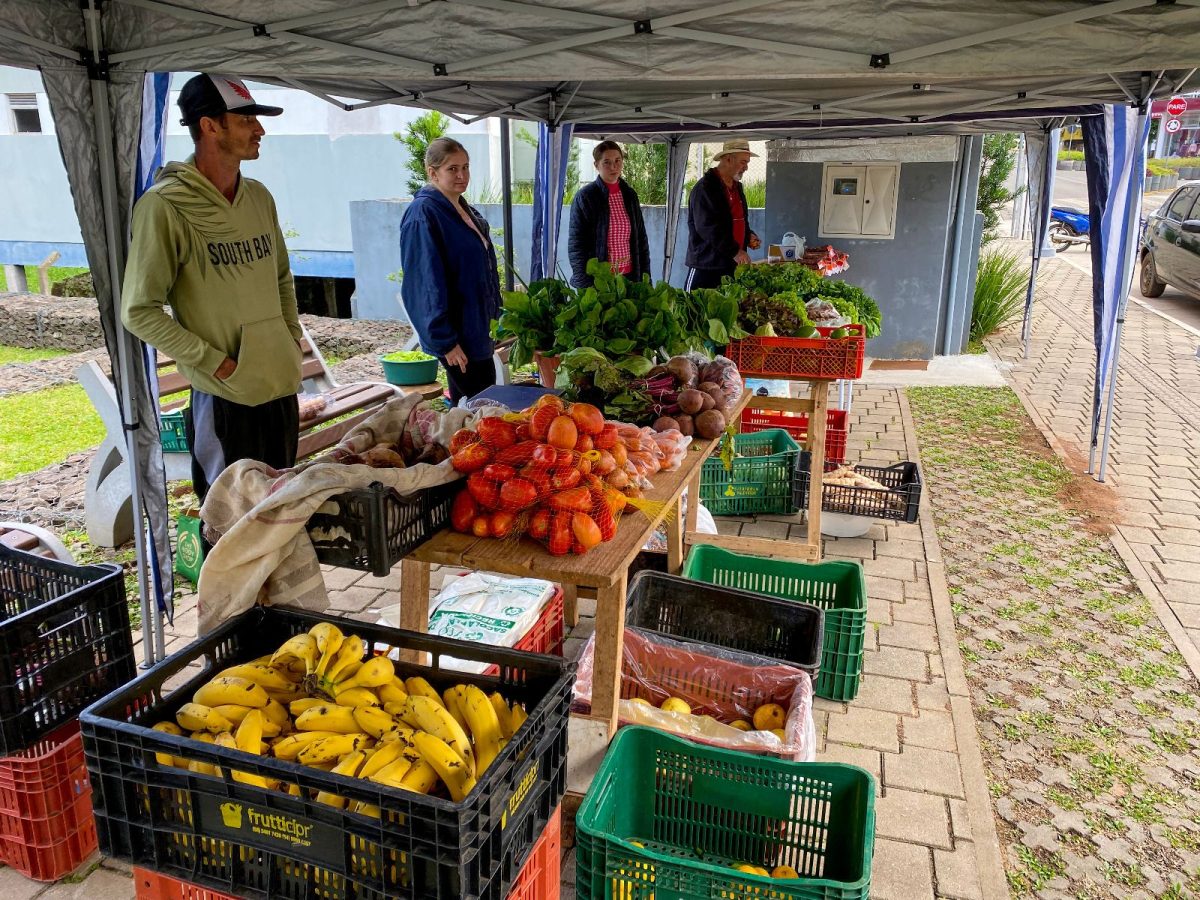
{"type": "Point", "coordinates": [602, 570]}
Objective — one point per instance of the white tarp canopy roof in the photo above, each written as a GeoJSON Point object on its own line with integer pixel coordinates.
{"type": "Point", "coordinates": [748, 64]}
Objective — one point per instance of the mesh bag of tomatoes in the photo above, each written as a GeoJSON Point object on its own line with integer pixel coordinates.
{"type": "Point", "coordinates": [557, 473]}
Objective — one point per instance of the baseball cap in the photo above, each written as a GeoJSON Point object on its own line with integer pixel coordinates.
{"type": "Point", "coordinates": [212, 95]}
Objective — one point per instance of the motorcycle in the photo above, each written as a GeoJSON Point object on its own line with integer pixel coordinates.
{"type": "Point", "coordinates": [1069, 227]}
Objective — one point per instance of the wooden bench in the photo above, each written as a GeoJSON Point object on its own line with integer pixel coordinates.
{"type": "Point", "coordinates": [107, 502]}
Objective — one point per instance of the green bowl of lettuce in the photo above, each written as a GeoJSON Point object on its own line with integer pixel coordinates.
{"type": "Point", "coordinates": [407, 367]}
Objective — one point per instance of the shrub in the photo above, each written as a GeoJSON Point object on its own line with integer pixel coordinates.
{"type": "Point", "coordinates": [1000, 286]}
{"type": "Point", "coordinates": [1156, 167]}
{"type": "Point", "coordinates": [1071, 155]}
{"type": "Point", "coordinates": [999, 157]}
{"type": "Point", "coordinates": [419, 134]}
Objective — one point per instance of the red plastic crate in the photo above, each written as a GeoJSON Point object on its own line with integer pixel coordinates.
{"type": "Point", "coordinates": [546, 635]}
{"type": "Point", "coordinates": [46, 824]}
{"type": "Point", "coordinates": [539, 878]}
{"type": "Point", "coordinates": [811, 358]}
{"type": "Point", "coordinates": [797, 426]}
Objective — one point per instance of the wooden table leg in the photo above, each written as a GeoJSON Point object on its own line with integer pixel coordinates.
{"type": "Point", "coordinates": [816, 431]}
{"type": "Point", "coordinates": [570, 604]}
{"type": "Point", "coordinates": [414, 602]}
{"type": "Point", "coordinates": [610, 638]}
{"type": "Point", "coordinates": [673, 525]}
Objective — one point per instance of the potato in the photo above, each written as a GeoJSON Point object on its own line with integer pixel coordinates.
{"type": "Point", "coordinates": [691, 401]}
{"type": "Point", "coordinates": [709, 425]}
{"type": "Point", "coordinates": [687, 425]}
{"type": "Point", "coordinates": [664, 423]}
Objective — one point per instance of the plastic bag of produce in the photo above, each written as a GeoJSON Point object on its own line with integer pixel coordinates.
{"type": "Point", "coordinates": [771, 702]}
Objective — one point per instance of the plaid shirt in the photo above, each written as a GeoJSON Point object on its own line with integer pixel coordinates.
{"type": "Point", "coordinates": [619, 231]}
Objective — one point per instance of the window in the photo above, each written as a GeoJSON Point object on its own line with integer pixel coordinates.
{"type": "Point", "coordinates": [859, 200]}
{"type": "Point", "coordinates": [25, 116]}
{"type": "Point", "coordinates": [1178, 211]}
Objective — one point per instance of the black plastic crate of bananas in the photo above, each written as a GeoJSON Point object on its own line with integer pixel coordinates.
{"type": "Point", "coordinates": [300, 763]}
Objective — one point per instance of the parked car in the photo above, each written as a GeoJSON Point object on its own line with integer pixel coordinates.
{"type": "Point", "coordinates": [1170, 250]}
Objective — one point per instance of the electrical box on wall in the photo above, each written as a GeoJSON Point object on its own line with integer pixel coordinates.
{"type": "Point", "coordinates": [859, 200]}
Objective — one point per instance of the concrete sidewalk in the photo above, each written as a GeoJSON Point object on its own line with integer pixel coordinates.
{"type": "Point", "coordinates": [1155, 442]}
{"type": "Point", "coordinates": [911, 725]}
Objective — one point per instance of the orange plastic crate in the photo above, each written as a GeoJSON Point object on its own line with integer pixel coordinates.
{"type": "Point", "coordinates": [538, 880]}
{"type": "Point", "coordinates": [797, 426]}
{"type": "Point", "coordinates": [46, 824]}
{"type": "Point", "coordinates": [813, 358]}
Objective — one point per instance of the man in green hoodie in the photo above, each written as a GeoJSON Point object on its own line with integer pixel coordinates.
{"type": "Point", "coordinates": [207, 242]}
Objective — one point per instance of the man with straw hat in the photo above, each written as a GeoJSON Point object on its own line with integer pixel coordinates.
{"type": "Point", "coordinates": [718, 228]}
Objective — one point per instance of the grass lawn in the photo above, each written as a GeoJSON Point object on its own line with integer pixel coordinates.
{"type": "Point", "coordinates": [40, 428]}
{"type": "Point", "coordinates": [24, 354]}
{"type": "Point", "coordinates": [55, 273]}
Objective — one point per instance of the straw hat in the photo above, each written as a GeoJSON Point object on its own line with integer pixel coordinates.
{"type": "Point", "coordinates": [737, 145]}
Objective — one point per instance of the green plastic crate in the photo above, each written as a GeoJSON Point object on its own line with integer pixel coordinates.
{"type": "Point", "coordinates": [760, 480]}
{"type": "Point", "coordinates": [172, 435]}
{"type": "Point", "coordinates": [699, 810]}
{"type": "Point", "coordinates": [839, 588]}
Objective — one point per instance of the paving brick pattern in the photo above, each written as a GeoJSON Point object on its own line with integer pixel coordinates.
{"type": "Point", "coordinates": [1156, 423]}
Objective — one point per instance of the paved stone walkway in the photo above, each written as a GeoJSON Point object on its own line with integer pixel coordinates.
{"type": "Point", "coordinates": [1156, 433]}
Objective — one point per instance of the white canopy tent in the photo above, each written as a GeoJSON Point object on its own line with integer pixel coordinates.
{"type": "Point", "coordinates": [680, 68]}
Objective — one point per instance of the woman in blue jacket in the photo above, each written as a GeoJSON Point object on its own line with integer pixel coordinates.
{"type": "Point", "coordinates": [606, 221]}
{"type": "Point", "coordinates": [451, 285]}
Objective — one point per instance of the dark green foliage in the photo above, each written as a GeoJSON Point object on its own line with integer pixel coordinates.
{"type": "Point", "coordinates": [999, 157]}
{"type": "Point", "coordinates": [778, 278]}
{"type": "Point", "coordinates": [1000, 287]}
{"type": "Point", "coordinates": [646, 172]}
{"type": "Point", "coordinates": [418, 135]}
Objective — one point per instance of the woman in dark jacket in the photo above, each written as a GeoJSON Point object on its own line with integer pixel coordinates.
{"type": "Point", "coordinates": [606, 221]}
{"type": "Point", "coordinates": [451, 285]}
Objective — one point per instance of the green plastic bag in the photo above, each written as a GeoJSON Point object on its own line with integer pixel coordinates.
{"type": "Point", "coordinates": [189, 552]}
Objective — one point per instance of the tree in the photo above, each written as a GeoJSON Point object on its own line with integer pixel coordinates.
{"type": "Point", "coordinates": [571, 182]}
{"type": "Point", "coordinates": [646, 172]}
{"type": "Point", "coordinates": [417, 136]}
{"type": "Point", "coordinates": [999, 158]}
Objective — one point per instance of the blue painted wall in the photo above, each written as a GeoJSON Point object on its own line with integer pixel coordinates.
{"type": "Point", "coordinates": [375, 226]}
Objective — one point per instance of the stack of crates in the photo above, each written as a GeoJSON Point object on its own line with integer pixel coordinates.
{"type": "Point", "coordinates": [64, 642]}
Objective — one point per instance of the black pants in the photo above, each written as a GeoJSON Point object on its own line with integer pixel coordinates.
{"type": "Point", "coordinates": [221, 432]}
{"type": "Point", "coordinates": [705, 278]}
{"type": "Point", "coordinates": [480, 374]}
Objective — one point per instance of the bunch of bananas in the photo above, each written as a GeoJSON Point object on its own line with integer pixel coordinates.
{"type": "Point", "coordinates": [317, 701]}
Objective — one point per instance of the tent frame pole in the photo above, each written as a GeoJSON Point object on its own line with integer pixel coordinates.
{"type": "Point", "coordinates": [152, 626]}
{"type": "Point", "coordinates": [506, 189]}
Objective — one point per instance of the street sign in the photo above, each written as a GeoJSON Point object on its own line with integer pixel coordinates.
{"type": "Point", "coordinates": [1177, 106]}
{"type": "Point", "coordinates": [1173, 125]}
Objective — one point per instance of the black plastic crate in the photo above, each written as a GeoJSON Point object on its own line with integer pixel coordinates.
{"type": "Point", "coordinates": [374, 527]}
{"type": "Point", "coordinates": [901, 502]}
{"type": "Point", "coordinates": [647, 560]}
{"type": "Point", "coordinates": [64, 642]}
{"type": "Point", "coordinates": [726, 617]}
{"type": "Point", "coordinates": [253, 842]}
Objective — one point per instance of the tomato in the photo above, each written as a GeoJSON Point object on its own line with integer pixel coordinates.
{"type": "Point", "coordinates": [484, 491]}
{"type": "Point", "coordinates": [585, 529]}
{"type": "Point", "coordinates": [576, 499]}
{"type": "Point", "coordinates": [539, 524]}
{"type": "Point", "coordinates": [607, 437]}
{"type": "Point", "coordinates": [616, 501]}
{"type": "Point", "coordinates": [496, 433]}
{"type": "Point", "coordinates": [587, 418]}
{"type": "Point", "coordinates": [471, 458]}
{"type": "Point", "coordinates": [480, 527]}
{"type": "Point", "coordinates": [585, 465]}
{"type": "Point", "coordinates": [523, 432]}
{"type": "Point", "coordinates": [518, 493]}
{"type": "Point", "coordinates": [620, 454]}
{"type": "Point", "coordinates": [603, 515]}
{"type": "Point", "coordinates": [560, 539]}
{"type": "Point", "coordinates": [498, 472]}
{"type": "Point", "coordinates": [553, 401]}
{"type": "Point", "coordinates": [545, 455]}
{"type": "Point", "coordinates": [584, 443]}
{"type": "Point", "coordinates": [539, 477]}
{"type": "Point", "coordinates": [562, 433]}
{"type": "Point", "coordinates": [463, 512]}
{"type": "Point", "coordinates": [562, 479]}
{"type": "Point", "coordinates": [462, 438]}
{"type": "Point", "coordinates": [517, 454]}
{"type": "Point", "coordinates": [539, 423]}
{"type": "Point", "coordinates": [501, 524]}
{"type": "Point", "coordinates": [605, 463]}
